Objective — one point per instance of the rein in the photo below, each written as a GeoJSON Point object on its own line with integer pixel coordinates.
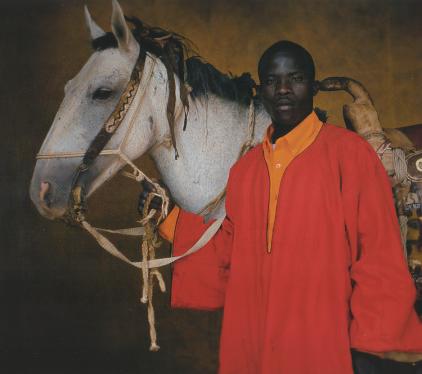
{"type": "Point", "coordinates": [77, 202]}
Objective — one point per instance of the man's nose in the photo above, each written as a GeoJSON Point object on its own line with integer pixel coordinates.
{"type": "Point", "coordinates": [283, 86]}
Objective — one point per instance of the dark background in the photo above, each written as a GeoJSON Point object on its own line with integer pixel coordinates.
{"type": "Point", "coordinates": [65, 305]}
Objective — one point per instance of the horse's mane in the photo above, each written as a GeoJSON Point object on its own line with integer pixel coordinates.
{"type": "Point", "coordinates": [180, 57]}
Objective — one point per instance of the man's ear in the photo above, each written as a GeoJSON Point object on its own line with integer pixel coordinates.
{"type": "Point", "coordinates": [258, 89]}
{"type": "Point", "coordinates": [315, 87]}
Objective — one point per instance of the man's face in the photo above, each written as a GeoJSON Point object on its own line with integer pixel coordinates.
{"type": "Point", "coordinates": [287, 90]}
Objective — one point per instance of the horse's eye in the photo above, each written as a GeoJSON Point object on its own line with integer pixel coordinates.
{"type": "Point", "coordinates": [102, 94]}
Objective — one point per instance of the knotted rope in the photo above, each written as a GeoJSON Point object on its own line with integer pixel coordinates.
{"type": "Point", "coordinates": [150, 243]}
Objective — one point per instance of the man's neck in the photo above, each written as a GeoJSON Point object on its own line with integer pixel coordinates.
{"type": "Point", "coordinates": [281, 129]}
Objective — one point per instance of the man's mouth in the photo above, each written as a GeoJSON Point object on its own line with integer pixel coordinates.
{"type": "Point", "coordinates": [284, 104]}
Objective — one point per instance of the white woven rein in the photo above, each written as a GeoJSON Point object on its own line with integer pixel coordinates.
{"type": "Point", "coordinates": [138, 175]}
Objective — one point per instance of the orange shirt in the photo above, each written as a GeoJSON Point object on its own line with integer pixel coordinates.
{"type": "Point", "coordinates": [167, 228]}
{"type": "Point", "coordinates": [278, 157]}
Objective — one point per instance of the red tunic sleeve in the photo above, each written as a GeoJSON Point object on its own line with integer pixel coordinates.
{"type": "Point", "coordinates": [383, 296]}
{"type": "Point", "coordinates": [199, 280]}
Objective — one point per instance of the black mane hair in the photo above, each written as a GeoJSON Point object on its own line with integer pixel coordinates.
{"type": "Point", "coordinates": [106, 41]}
{"type": "Point", "coordinates": [204, 77]}
{"type": "Point", "coordinates": [179, 54]}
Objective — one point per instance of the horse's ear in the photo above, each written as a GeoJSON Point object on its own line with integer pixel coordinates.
{"type": "Point", "coordinates": [94, 30]}
{"type": "Point", "coordinates": [120, 29]}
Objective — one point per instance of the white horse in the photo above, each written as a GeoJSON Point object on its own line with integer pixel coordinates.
{"type": "Point", "coordinates": [217, 125]}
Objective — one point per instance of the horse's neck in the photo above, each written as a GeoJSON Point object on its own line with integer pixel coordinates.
{"type": "Point", "coordinates": [215, 133]}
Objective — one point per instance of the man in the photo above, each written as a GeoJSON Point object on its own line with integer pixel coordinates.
{"type": "Point", "coordinates": [308, 262]}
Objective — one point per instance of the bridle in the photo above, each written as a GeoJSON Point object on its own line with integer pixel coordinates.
{"type": "Point", "coordinates": [139, 81]}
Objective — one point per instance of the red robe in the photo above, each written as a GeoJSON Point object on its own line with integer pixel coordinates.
{"type": "Point", "coordinates": [336, 277]}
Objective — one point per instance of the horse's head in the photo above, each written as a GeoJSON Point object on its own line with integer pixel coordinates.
{"type": "Point", "coordinates": [90, 98]}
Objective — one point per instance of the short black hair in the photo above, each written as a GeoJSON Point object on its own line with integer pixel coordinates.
{"type": "Point", "coordinates": [286, 46]}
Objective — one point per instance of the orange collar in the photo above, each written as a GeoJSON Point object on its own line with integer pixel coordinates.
{"type": "Point", "coordinates": [297, 139]}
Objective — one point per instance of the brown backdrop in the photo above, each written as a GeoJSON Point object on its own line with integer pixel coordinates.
{"type": "Point", "coordinates": [66, 306]}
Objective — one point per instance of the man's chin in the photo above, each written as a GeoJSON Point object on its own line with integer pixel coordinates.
{"type": "Point", "coordinates": [285, 117]}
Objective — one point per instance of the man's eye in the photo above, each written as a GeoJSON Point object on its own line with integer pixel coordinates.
{"type": "Point", "coordinates": [102, 94]}
{"type": "Point", "coordinates": [269, 81]}
{"type": "Point", "coordinates": [298, 78]}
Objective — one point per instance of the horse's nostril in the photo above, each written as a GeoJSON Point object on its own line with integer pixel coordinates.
{"type": "Point", "coordinates": [44, 192]}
